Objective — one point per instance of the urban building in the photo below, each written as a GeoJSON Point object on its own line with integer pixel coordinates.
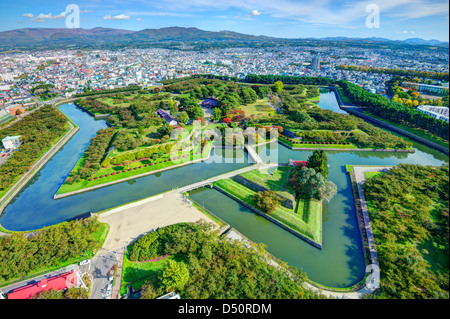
{"type": "Point", "coordinates": [438, 112]}
{"type": "Point", "coordinates": [315, 64]}
{"type": "Point", "coordinates": [11, 142]}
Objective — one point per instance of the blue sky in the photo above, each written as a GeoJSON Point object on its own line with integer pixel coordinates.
{"type": "Point", "coordinates": [399, 19]}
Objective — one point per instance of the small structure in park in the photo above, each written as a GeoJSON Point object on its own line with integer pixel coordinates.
{"type": "Point", "coordinates": [170, 295]}
{"type": "Point", "coordinates": [11, 142]}
{"type": "Point", "coordinates": [167, 117]}
{"type": "Point", "coordinates": [60, 282]}
{"type": "Point", "coordinates": [210, 102]}
{"type": "Point", "coordinates": [297, 163]}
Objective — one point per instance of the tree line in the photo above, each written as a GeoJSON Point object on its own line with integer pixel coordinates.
{"type": "Point", "coordinates": [395, 112]}
{"type": "Point", "coordinates": [22, 254]}
{"type": "Point", "coordinates": [38, 132]}
{"type": "Point", "coordinates": [93, 156]}
{"type": "Point", "coordinates": [411, 73]}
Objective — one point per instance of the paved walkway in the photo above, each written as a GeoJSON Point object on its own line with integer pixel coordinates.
{"type": "Point", "coordinates": [129, 222]}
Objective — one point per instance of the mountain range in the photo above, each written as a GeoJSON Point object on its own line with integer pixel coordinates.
{"type": "Point", "coordinates": [36, 38]}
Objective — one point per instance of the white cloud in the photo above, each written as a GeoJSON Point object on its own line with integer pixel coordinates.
{"type": "Point", "coordinates": [139, 19]}
{"type": "Point", "coordinates": [325, 12]}
{"type": "Point", "coordinates": [118, 17]}
{"type": "Point", "coordinates": [404, 32]}
{"type": "Point", "coordinates": [42, 17]}
{"type": "Point", "coordinates": [254, 13]}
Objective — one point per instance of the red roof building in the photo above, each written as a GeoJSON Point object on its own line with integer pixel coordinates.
{"type": "Point", "coordinates": [297, 163]}
{"type": "Point", "coordinates": [63, 281]}
{"type": "Point", "coordinates": [14, 110]}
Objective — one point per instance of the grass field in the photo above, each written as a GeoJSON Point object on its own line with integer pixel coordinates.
{"type": "Point", "coordinates": [259, 107]}
{"type": "Point", "coordinates": [276, 181]}
{"type": "Point", "coordinates": [371, 174]}
{"type": "Point", "coordinates": [306, 223]}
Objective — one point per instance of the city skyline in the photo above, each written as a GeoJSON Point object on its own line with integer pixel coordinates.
{"type": "Point", "coordinates": [286, 19]}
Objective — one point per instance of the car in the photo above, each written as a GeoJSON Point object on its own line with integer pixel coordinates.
{"type": "Point", "coordinates": [85, 262]}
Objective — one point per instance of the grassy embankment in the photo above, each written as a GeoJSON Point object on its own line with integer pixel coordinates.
{"type": "Point", "coordinates": [305, 218]}
{"type": "Point", "coordinates": [136, 168]}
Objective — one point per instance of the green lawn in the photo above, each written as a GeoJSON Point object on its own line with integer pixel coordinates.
{"type": "Point", "coordinates": [371, 174]}
{"type": "Point", "coordinates": [139, 273]}
{"type": "Point", "coordinates": [276, 181]}
{"type": "Point", "coordinates": [306, 223]}
{"type": "Point", "coordinates": [259, 107]}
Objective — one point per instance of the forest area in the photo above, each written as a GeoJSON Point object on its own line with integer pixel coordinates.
{"type": "Point", "coordinates": [409, 212]}
{"type": "Point", "coordinates": [210, 267]}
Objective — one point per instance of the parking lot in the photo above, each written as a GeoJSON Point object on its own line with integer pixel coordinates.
{"type": "Point", "coordinates": [4, 156]}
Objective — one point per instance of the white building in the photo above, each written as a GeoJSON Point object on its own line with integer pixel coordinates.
{"type": "Point", "coordinates": [11, 142]}
{"type": "Point", "coordinates": [438, 112]}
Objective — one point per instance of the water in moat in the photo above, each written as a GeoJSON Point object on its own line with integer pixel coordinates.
{"type": "Point", "coordinates": [339, 264]}
{"type": "Point", "coordinates": [34, 206]}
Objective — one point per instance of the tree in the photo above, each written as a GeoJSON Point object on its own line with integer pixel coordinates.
{"type": "Point", "coordinates": [172, 105]}
{"type": "Point", "coordinates": [319, 162]}
{"type": "Point", "coordinates": [175, 275]}
{"type": "Point", "coordinates": [217, 114]}
{"type": "Point", "coordinates": [278, 85]}
{"type": "Point", "coordinates": [267, 201]}
{"type": "Point", "coordinates": [311, 184]}
{"type": "Point", "coordinates": [126, 163]}
{"type": "Point", "coordinates": [183, 117]}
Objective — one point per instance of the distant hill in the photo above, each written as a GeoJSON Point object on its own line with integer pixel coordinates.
{"type": "Point", "coordinates": [38, 38]}
{"type": "Point", "coordinates": [425, 42]}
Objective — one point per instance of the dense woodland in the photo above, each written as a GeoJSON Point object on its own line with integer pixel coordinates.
{"type": "Point", "coordinates": [409, 212]}
{"type": "Point", "coordinates": [216, 267]}
{"type": "Point", "coordinates": [38, 132]}
{"type": "Point", "coordinates": [22, 254]}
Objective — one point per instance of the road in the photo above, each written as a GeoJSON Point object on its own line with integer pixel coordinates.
{"type": "Point", "coordinates": [30, 281]}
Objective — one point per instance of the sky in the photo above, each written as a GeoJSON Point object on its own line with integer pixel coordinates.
{"type": "Point", "coordinates": [392, 19]}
